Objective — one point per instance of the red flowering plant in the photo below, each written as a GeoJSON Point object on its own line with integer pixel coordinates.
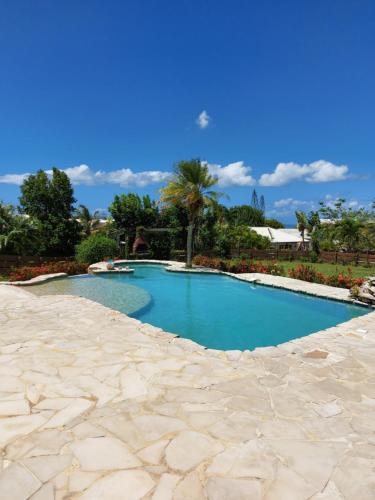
{"type": "Point", "coordinates": [28, 272]}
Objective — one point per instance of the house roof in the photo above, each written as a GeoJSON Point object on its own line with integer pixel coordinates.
{"type": "Point", "coordinates": [280, 235]}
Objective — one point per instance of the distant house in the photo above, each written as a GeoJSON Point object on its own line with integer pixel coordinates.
{"type": "Point", "coordinates": [283, 239]}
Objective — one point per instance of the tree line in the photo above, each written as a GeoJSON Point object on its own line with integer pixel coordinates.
{"type": "Point", "coordinates": [188, 216]}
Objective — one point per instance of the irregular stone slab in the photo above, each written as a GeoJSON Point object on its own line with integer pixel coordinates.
{"type": "Point", "coordinates": [154, 453]}
{"type": "Point", "coordinates": [253, 459]}
{"type": "Point", "coordinates": [221, 488]}
{"type": "Point", "coordinates": [103, 453]}
{"type": "Point", "coordinates": [190, 488]}
{"type": "Point", "coordinates": [189, 449]}
{"type": "Point", "coordinates": [80, 480]}
{"type": "Point", "coordinates": [133, 384]}
{"type": "Point", "coordinates": [129, 484]}
{"type": "Point", "coordinates": [15, 407]}
{"type": "Point", "coordinates": [47, 467]}
{"type": "Point", "coordinates": [166, 486]}
{"type": "Point", "coordinates": [53, 404]}
{"type": "Point", "coordinates": [340, 389]}
{"type": "Point", "coordinates": [355, 478]}
{"type": "Point", "coordinates": [69, 413]}
{"type": "Point", "coordinates": [327, 410]}
{"type": "Point", "coordinates": [316, 354]}
{"type": "Point", "coordinates": [124, 429]}
{"type": "Point", "coordinates": [44, 493]}
{"type": "Point", "coordinates": [13, 427]}
{"type": "Point", "coordinates": [104, 393]}
{"type": "Point", "coordinates": [289, 485]}
{"type": "Point", "coordinates": [314, 462]}
{"type": "Point", "coordinates": [10, 383]}
{"type": "Point", "coordinates": [154, 427]}
{"type": "Point", "coordinates": [17, 483]}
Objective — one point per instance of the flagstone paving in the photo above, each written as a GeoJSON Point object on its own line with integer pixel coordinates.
{"type": "Point", "coordinates": [96, 405]}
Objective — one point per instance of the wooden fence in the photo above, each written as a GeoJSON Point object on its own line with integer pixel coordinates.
{"type": "Point", "coordinates": [329, 257]}
{"type": "Point", "coordinates": [9, 262]}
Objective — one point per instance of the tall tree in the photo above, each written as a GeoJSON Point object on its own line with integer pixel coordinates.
{"type": "Point", "coordinates": [48, 200]}
{"type": "Point", "coordinates": [245, 215]}
{"type": "Point", "coordinates": [254, 200]}
{"type": "Point", "coordinates": [190, 187]}
{"type": "Point", "coordinates": [302, 224]}
{"type": "Point", "coordinates": [262, 204]}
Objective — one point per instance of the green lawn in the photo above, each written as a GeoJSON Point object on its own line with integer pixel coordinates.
{"type": "Point", "coordinates": [357, 271]}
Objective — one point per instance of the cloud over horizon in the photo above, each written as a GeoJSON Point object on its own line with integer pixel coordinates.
{"type": "Point", "coordinates": [315, 172]}
{"type": "Point", "coordinates": [233, 174]}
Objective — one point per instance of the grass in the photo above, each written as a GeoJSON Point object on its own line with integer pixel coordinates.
{"type": "Point", "coordinates": [330, 269]}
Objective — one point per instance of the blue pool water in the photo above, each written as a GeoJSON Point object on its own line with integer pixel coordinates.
{"type": "Point", "coordinates": [214, 310]}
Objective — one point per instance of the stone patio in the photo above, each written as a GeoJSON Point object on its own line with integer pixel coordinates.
{"type": "Point", "coordinates": [96, 405]}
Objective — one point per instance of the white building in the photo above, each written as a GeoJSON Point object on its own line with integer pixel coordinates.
{"type": "Point", "coordinates": [283, 238]}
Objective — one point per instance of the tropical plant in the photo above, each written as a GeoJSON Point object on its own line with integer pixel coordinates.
{"type": "Point", "coordinates": [349, 232]}
{"type": "Point", "coordinates": [89, 221]}
{"type": "Point", "coordinates": [190, 187]}
{"type": "Point", "coordinates": [18, 234]}
{"type": "Point", "coordinates": [96, 248]}
{"type": "Point", "coordinates": [302, 225]}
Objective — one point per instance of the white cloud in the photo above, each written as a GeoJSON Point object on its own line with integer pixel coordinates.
{"type": "Point", "coordinates": [233, 174]}
{"type": "Point", "coordinates": [203, 119]}
{"type": "Point", "coordinates": [13, 179]}
{"type": "Point", "coordinates": [126, 177]}
{"type": "Point", "coordinates": [84, 175]}
{"type": "Point", "coordinates": [292, 203]}
{"type": "Point", "coordinates": [315, 172]}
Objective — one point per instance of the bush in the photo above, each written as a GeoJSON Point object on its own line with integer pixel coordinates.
{"type": "Point", "coordinates": [96, 248]}
{"type": "Point", "coordinates": [301, 272]}
{"type": "Point", "coordinates": [28, 272]}
{"type": "Point", "coordinates": [308, 273]}
{"type": "Point", "coordinates": [239, 265]}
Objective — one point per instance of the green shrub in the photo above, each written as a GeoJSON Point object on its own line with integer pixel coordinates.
{"type": "Point", "coordinates": [96, 248]}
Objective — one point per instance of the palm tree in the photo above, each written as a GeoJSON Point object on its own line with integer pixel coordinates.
{"type": "Point", "coordinates": [302, 225]}
{"type": "Point", "coordinates": [17, 233]}
{"type": "Point", "coordinates": [190, 187]}
{"type": "Point", "coordinates": [89, 221]}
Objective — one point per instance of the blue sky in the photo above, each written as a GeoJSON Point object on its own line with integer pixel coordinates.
{"type": "Point", "coordinates": [273, 95]}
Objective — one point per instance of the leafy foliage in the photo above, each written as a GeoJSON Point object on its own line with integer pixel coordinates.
{"type": "Point", "coordinates": [190, 187]}
{"type": "Point", "coordinates": [274, 223]}
{"type": "Point", "coordinates": [88, 221]}
{"type": "Point", "coordinates": [48, 201]}
{"type": "Point", "coordinates": [96, 248]}
{"type": "Point", "coordinates": [17, 233]}
{"type": "Point", "coordinates": [28, 272]}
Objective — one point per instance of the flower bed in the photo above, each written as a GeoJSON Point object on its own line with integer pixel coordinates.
{"type": "Point", "coordinates": [301, 272]}
{"type": "Point", "coordinates": [308, 273]}
{"type": "Point", "coordinates": [239, 265]}
{"type": "Point", "coordinates": [28, 272]}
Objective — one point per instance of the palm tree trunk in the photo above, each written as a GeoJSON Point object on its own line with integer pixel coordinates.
{"type": "Point", "coordinates": [189, 248]}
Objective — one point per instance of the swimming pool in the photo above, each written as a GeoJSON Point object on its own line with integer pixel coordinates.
{"type": "Point", "coordinates": [214, 310]}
